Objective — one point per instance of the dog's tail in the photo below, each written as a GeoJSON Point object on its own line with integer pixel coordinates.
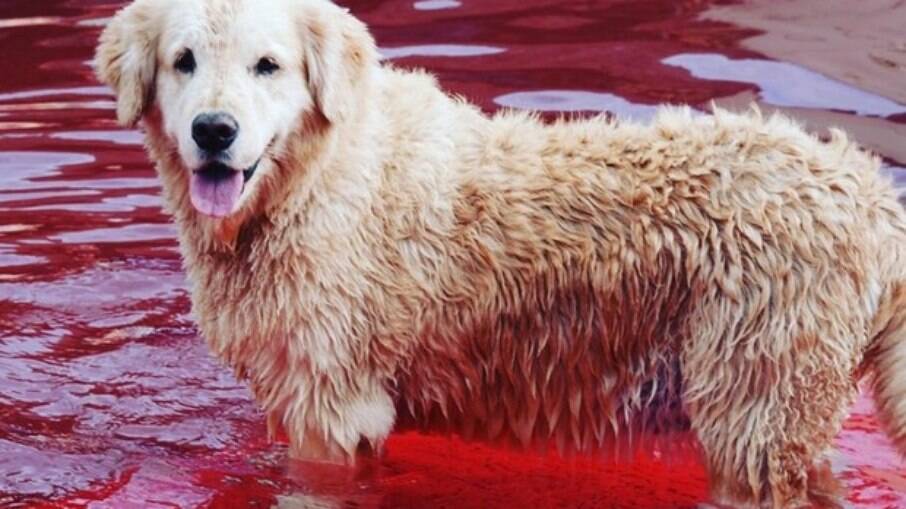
{"type": "Point", "coordinates": [888, 356]}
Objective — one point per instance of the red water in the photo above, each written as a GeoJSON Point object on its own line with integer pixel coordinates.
{"type": "Point", "coordinates": [108, 397]}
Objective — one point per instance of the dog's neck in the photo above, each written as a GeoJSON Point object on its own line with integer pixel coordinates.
{"type": "Point", "coordinates": [331, 184]}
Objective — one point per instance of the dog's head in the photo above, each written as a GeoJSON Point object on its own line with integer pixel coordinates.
{"type": "Point", "coordinates": [229, 82]}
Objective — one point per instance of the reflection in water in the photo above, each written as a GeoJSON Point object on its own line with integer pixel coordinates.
{"type": "Point", "coordinates": [576, 100]}
{"type": "Point", "coordinates": [785, 84]}
{"type": "Point", "coordinates": [11, 259]}
{"type": "Point", "coordinates": [59, 473]}
{"type": "Point", "coordinates": [134, 232]}
{"type": "Point", "coordinates": [434, 5]}
{"type": "Point", "coordinates": [94, 22]}
{"type": "Point", "coordinates": [121, 137]}
{"type": "Point", "coordinates": [439, 50]}
{"type": "Point", "coordinates": [26, 22]}
{"type": "Point", "coordinates": [898, 173]}
{"type": "Point", "coordinates": [55, 92]}
{"type": "Point", "coordinates": [19, 168]}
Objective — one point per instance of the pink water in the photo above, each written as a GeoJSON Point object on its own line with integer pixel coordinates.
{"type": "Point", "coordinates": [108, 397]}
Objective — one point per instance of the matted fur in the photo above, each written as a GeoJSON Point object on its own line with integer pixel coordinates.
{"type": "Point", "coordinates": [403, 256]}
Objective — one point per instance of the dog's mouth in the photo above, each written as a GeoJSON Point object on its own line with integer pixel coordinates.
{"type": "Point", "coordinates": [215, 188]}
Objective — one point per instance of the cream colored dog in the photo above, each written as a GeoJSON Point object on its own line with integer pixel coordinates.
{"type": "Point", "coordinates": [369, 252]}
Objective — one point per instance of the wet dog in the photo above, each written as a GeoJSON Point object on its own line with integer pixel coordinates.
{"type": "Point", "coordinates": [364, 249]}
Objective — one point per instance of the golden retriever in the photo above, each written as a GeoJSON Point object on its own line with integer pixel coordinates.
{"type": "Point", "coordinates": [369, 252]}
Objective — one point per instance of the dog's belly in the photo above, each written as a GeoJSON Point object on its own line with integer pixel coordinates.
{"type": "Point", "coordinates": [579, 368]}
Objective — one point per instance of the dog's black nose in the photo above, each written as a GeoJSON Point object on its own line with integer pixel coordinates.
{"type": "Point", "coordinates": [214, 132]}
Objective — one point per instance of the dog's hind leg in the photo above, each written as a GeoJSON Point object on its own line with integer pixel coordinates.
{"type": "Point", "coordinates": [765, 400]}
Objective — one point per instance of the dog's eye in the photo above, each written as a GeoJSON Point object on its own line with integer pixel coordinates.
{"type": "Point", "coordinates": [266, 66]}
{"type": "Point", "coordinates": [186, 62]}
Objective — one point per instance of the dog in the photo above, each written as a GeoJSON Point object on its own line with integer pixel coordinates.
{"type": "Point", "coordinates": [369, 253]}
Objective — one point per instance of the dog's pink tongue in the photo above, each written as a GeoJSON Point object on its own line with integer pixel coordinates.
{"type": "Point", "coordinates": [216, 195]}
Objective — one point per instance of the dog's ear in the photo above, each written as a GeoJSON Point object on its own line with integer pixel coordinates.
{"type": "Point", "coordinates": [340, 57]}
{"type": "Point", "coordinates": [126, 59]}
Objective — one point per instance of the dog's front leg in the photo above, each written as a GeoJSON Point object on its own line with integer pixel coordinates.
{"type": "Point", "coordinates": [335, 436]}
{"type": "Point", "coordinates": [329, 477]}
{"type": "Point", "coordinates": [335, 422]}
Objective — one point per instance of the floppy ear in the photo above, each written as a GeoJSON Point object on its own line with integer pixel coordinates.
{"type": "Point", "coordinates": [126, 60]}
{"type": "Point", "coordinates": [340, 57]}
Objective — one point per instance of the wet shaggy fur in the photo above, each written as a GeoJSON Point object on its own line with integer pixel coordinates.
{"type": "Point", "coordinates": [410, 258]}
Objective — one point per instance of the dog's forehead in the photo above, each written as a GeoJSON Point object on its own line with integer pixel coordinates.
{"type": "Point", "coordinates": [229, 26]}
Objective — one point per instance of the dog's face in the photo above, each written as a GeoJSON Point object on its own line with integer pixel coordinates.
{"type": "Point", "coordinates": [231, 81]}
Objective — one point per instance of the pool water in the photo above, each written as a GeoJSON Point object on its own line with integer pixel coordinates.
{"type": "Point", "coordinates": [108, 396]}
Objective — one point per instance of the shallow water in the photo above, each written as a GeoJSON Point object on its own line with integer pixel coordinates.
{"type": "Point", "coordinates": [108, 397]}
